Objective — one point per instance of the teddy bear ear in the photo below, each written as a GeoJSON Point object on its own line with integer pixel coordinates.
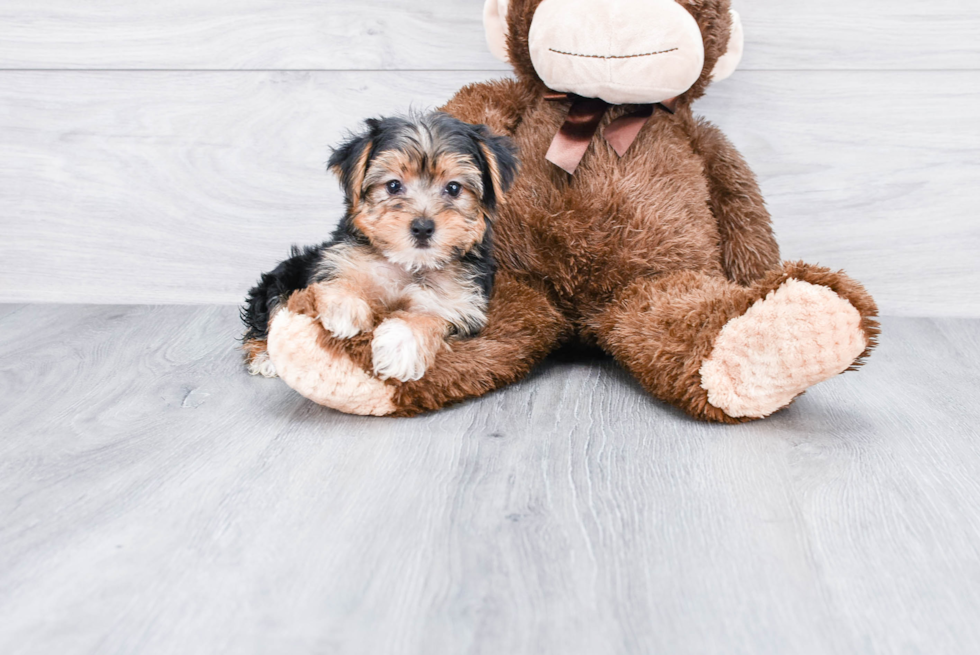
{"type": "Point", "coordinates": [729, 61]}
{"type": "Point", "coordinates": [495, 25]}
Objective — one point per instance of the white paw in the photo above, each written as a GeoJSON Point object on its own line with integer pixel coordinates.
{"type": "Point", "coordinates": [396, 352]}
{"type": "Point", "coordinates": [346, 317]}
{"type": "Point", "coordinates": [262, 365]}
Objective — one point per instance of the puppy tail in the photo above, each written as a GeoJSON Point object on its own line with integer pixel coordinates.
{"type": "Point", "coordinates": [275, 287]}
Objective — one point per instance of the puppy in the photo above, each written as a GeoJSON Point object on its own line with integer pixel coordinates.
{"type": "Point", "coordinates": [412, 257]}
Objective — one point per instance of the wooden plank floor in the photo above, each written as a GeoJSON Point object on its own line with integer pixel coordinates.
{"type": "Point", "coordinates": [155, 499]}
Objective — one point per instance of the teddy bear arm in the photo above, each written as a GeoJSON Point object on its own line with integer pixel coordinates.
{"type": "Point", "coordinates": [749, 249]}
{"type": "Point", "coordinates": [523, 326]}
{"type": "Point", "coordinates": [498, 104]}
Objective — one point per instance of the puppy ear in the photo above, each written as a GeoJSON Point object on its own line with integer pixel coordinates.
{"type": "Point", "coordinates": [349, 161]}
{"type": "Point", "coordinates": [495, 26]}
{"type": "Point", "coordinates": [729, 61]}
{"type": "Point", "coordinates": [499, 165]}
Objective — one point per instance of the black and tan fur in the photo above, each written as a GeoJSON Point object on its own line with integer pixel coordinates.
{"type": "Point", "coordinates": [413, 250]}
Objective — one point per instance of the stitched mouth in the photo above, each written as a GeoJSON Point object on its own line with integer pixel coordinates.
{"type": "Point", "coordinates": [644, 54]}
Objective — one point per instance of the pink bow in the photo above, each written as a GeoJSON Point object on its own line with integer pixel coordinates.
{"type": "Point", "coordinates": [573, 138]}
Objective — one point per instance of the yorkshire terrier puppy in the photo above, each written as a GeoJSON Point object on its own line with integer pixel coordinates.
{"type": "Point", "coordinates": [412, 257]}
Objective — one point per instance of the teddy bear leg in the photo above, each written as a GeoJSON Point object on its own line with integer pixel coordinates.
{"type": "Point", "coordinates": [522, 327]}
{"type": "Point", "coordinates": [728, 353]}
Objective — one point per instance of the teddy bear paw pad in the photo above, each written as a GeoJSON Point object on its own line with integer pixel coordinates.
{"type": "Point", "coordinates": [324, 376]}
{"type": "Point", "coordinates": [798, 335]}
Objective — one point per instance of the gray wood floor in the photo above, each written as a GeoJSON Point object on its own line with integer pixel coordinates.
{"type": "Point", "coordinates": [155, 499]}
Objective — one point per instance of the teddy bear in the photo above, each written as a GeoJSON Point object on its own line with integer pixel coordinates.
{"type": "Point", "coordinates": [633, 225]}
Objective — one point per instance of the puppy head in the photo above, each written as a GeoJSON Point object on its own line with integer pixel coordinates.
{"type": "Point", "coordinates": [422, 189]}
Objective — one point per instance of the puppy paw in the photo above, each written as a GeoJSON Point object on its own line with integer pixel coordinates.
{"type": "Point", "coordinates": [262, 365]}
{"type": "Point", "coordinates": [346, 317]}
{"type": "Point", "coordinates": [396, 352]}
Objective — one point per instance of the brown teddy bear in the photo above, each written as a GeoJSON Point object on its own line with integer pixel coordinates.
{"type": "Point", "coordinates": [633, 225]}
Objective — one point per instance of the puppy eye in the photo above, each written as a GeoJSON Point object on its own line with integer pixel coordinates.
{"type": "Point", "coordinates": [454, 189]}
{"type": "Point", "coordinates": [394, 187]}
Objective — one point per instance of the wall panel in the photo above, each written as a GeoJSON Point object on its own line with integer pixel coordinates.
{"type": "Point", "coordinates": [182, 186]}
{"type": "Point", "coordinates": [446, 34]}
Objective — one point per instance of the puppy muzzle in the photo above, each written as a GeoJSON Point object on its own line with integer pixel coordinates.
{"type": "Point", "coordinates": [422, 230]}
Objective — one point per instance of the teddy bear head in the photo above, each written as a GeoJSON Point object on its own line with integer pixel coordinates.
{"type": "Point", "coordinates": [622, 51]}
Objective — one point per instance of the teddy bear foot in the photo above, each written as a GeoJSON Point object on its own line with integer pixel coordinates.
{"type": "Point", "coordinates": [798, 335]}
{"type": "Point", "coordinates": [324, 375]}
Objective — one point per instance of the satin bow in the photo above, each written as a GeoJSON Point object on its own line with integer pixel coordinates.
{"type": "Point", "coordinates": [573, 138]}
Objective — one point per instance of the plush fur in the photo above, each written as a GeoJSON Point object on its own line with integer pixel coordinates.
{"type": "Point", "coordinates": [649, 256]}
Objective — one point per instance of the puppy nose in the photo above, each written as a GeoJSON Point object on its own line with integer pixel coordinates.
{"type": "Point", "coordinates": [422, 228]}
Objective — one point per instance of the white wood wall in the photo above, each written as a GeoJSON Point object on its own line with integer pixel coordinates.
{"type": "Point", "coordinates": [167, 152]}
